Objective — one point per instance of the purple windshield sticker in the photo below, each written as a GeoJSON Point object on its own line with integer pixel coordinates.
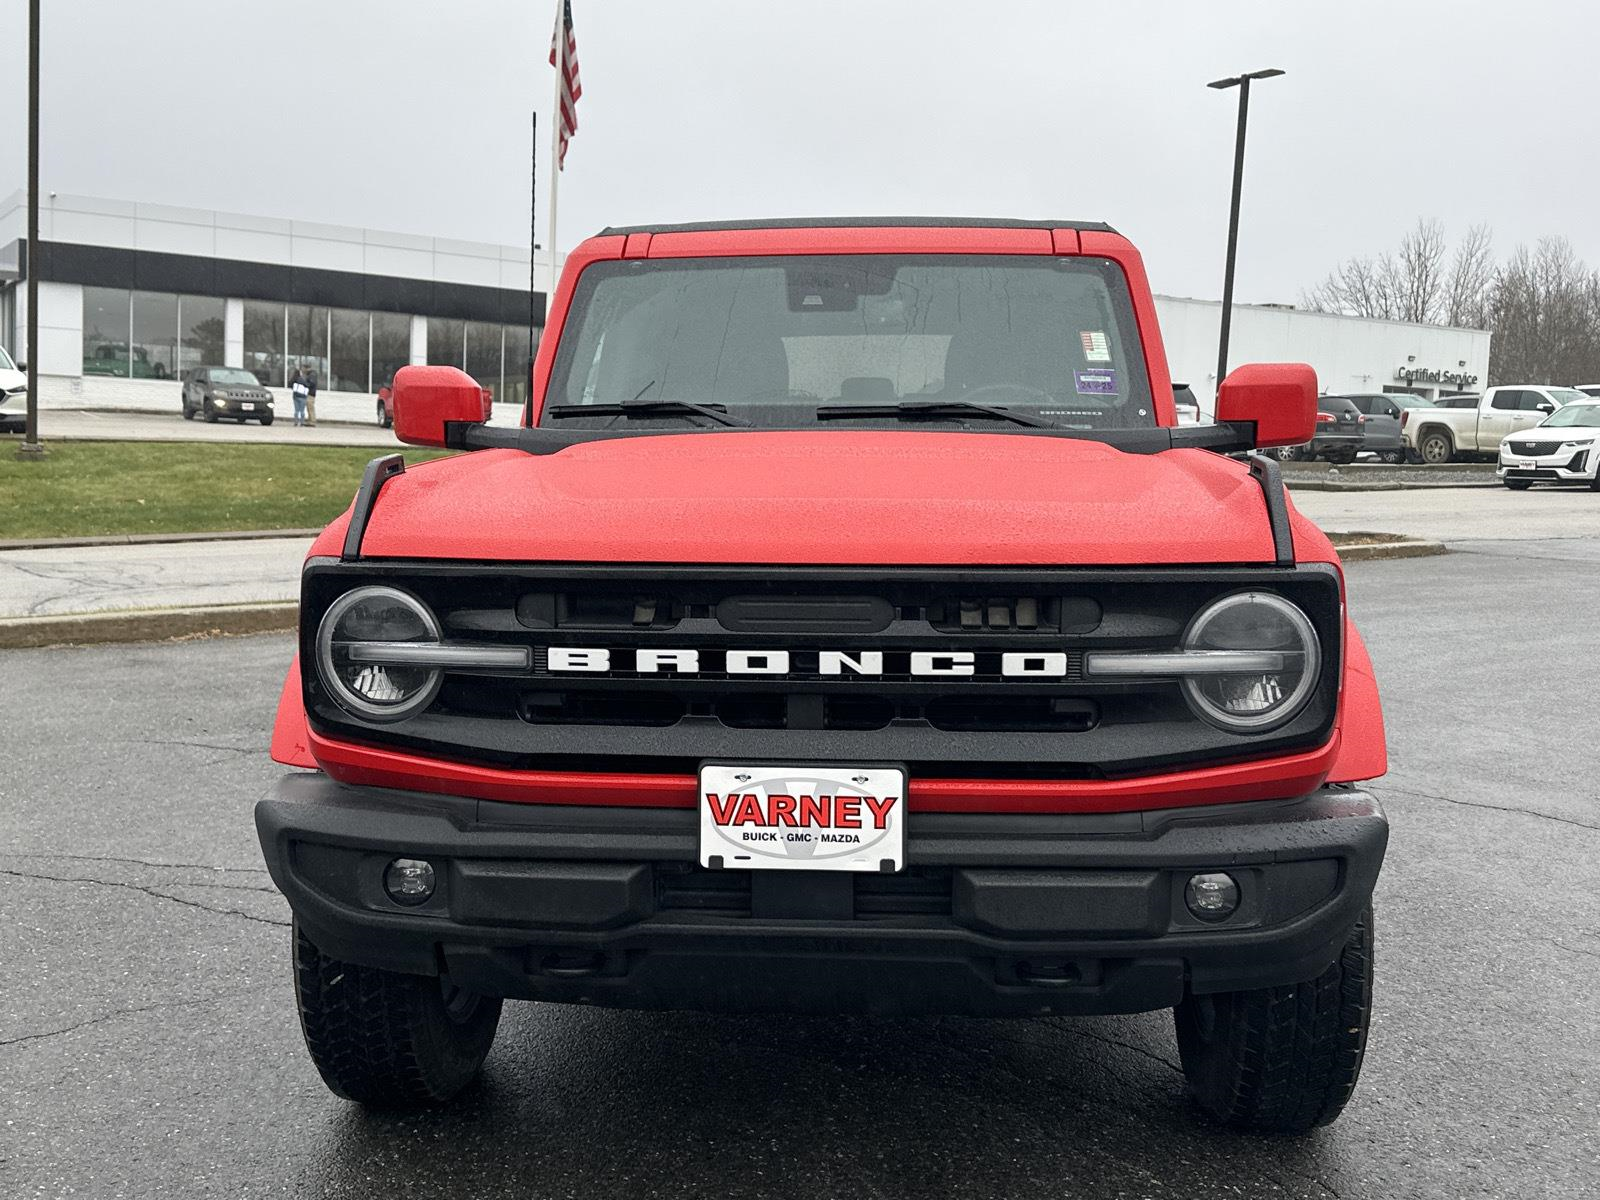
{"type": "Point", "coordinates": [1096, 383]}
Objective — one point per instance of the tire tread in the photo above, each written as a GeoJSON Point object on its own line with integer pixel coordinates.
{"type": "Point", "coordinates": [380, 1038]}
{"type": "Point", "coordinates": [1288, 1057]}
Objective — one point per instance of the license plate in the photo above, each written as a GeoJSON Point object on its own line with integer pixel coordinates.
{"type": "Point", "coordinates": [1528, 466]}
{"type": "Point", "coordinates": [802, 818]}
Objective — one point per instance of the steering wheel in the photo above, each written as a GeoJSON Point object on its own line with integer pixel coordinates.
{"type": "Point", "coordinates": [987, 388]}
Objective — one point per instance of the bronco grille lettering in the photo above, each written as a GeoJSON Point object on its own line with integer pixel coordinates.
{"type": "Point", "coordinates": [1053, 664]}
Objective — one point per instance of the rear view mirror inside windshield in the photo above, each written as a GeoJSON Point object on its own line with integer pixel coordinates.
{"type": "Point", "coordinates": [817, 286]}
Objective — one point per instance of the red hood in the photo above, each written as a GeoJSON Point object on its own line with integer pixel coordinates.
{"type": "Point", "coordinates": [906, 497]}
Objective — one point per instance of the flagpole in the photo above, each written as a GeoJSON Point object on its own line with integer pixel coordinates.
{"type": "Point", "coordinates": [555, 134]}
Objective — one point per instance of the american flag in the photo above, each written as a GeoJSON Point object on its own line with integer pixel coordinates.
{"type": "Point", "coordinates": [564, 58]}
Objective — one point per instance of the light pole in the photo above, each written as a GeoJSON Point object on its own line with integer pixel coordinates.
{"type": "Point", "coordinates": [1242, 82]}
{"type": "Point", "coordinates": [30, 447]}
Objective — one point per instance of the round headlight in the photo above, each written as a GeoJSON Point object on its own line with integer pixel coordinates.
{"type": "Point", "coordinates": [1253, 701]}
{"type": "Point", "coordinates": [375, 690]}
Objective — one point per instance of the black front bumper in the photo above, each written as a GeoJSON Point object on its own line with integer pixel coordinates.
{"type": "Point", "coordinates": [994, 914]}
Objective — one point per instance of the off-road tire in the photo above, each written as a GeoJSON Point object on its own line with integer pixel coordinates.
{"type": "Point", "coordinates": [266, 419]}
{"type": "Point", "coordinates": [1281, 1059]}
{"type": "Point", "coordinates": [1519, 485]}
{"type": "Point", "coordinates": [388, 1040]}
{"type": "Point", "coordinates": [1444, 448]}
{"type": "Point", "coordinates": [208, 413]}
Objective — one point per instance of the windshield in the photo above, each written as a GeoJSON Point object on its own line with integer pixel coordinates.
{"type": "Point", "coordinates": [774, 338]}
{"type": "Point", "coordinates": [1566, 395]}
{"type": "Point", "coordinates": [1585, 414]}
{"type": "Point", "coordinates": [5, 361]}
{"type": "Point", "coordinates": [234, 376]}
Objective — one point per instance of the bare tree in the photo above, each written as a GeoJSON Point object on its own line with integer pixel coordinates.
{"type": "Point", "coordinates": [1544, 308]}
{"type": "Point", "coordinates": [1354, 288]}
{"type": "Point", "coordinates": [1408, 286]}
{"type": "Point", "coordinates": [1466, 288]}
{"type": "Point", "coordinates": [1414, 279]}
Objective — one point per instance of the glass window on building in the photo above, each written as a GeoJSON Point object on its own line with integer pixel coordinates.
{"type": "Point", "coordinates": [349, 351]}
{"type": "Point", "coordinates": [155, 336]}
{"type": "Point", "coordinates": [105, 331]}
{"type": "Point", "coordinates": [263, 343]}
{"type": "Point", "coordinates": [445, 341]}
{"type": "Point", "coordinates": [308, 340]}
{"type": "Point", "coordinates": [484, 346]}
{"type": "Point", "coordinates": [391, 346]}
{"type": "Point", "coordinates": [200, 332]}
{"type": "Point", "coordinates": [516, 365]}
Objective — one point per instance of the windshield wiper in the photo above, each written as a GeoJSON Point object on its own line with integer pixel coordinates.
{"type": "Point", "coordinates": [647, 408]}
{"type": "Point", "coordinates": [913, 409]}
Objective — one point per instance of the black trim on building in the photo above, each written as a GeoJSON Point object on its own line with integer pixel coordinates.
{"type": "Point", "coordinates": [196, 275]}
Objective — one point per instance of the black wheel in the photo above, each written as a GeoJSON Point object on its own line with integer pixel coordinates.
{"type": "Point", "coordinates": [266, 418]}
{"type": "Point", "coordinates": [209, 413]}
{"type": "Point", "coordinates": [1519, 485]}
{"type": "Point", "coordinates": [188, 413]}
{"type": "Point", "coordinates": [1281, 1059]}
{"type": "Point", "coordinates": [1342, 457]}
{"type": "Point", "coordinates": [385, 421]}
{"type": "Point", "coordinates": [389, 1040]}
{"type": "Point", "coordinates": [1392, 457]}
{"type": "Point", "coordinates": [1436, 447]}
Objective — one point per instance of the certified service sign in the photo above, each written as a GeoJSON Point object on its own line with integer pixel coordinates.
{"type": "Point", "coordinates": [802, 818]}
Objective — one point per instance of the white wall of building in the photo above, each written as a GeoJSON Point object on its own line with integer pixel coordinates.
{"type": "Point", "coordinates": [1350, 354]}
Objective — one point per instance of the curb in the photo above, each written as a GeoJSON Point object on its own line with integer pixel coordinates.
{"type": "Point", "coordinates": [147, 625]}
{"type": "Point", "coordinates": [1375, 551]}
{"type": "Point", "coordinates": [1391, 485]}
{"type": "Point", "coordinates": [155, 539]}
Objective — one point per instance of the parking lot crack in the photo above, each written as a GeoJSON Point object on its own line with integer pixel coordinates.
{"type": "Point", "coordinates": [1077, 1030]}
{"type": "Point", "coordinates": [140, 862]}
{"type": "Point", "coordinates": [126, 1012]}
{"type": "Point", "coordinates": [1507, 808]}
{"type": "Point", "coordinates": [149, 891]}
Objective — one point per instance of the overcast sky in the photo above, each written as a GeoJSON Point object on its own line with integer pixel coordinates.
{"type": "Point", "coordinates": [413, 115]}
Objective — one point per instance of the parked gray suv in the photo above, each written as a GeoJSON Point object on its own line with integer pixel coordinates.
{"type": "Point", "coordinates": [1382, 410]}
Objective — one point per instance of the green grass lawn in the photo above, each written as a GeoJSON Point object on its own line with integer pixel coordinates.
{"type": "Point", "coordinates": [85, 489]}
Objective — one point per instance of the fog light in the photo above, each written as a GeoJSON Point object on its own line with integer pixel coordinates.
{"type": "Point", "coordinates": [410, 880]}
{"type": "Point", "coordinates": [1212, 897]}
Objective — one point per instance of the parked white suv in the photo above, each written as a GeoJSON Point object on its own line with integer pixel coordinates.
{"type": "Point", "coordinates": [1560, 449]}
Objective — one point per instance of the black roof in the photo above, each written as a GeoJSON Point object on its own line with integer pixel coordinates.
{"type": "Point", "coordinates": [858, 223]}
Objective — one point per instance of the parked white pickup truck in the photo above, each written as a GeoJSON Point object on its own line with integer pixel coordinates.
{"type": "Point", "coordinates": [1440, 435]}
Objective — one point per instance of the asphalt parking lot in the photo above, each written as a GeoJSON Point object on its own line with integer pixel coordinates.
{"type": "Point", "coordinates": [149, 1047]}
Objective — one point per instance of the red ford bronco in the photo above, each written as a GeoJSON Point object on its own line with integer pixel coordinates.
{"type": "Point", "coordinates": [850, 626]}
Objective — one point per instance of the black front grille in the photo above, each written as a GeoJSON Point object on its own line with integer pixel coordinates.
{"type": "Point", "coordinates": [989, 723]}
{"type": "Point", "coordinates": [1533, 449]}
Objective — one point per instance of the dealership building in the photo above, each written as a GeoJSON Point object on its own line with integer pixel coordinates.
{"type": "Point", "coordinates": [132, 294]}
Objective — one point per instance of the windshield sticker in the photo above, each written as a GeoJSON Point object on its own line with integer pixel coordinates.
{"type": "Point", "coordinates": [1096, 383]}
{"type": "Point", "coordinates": [1095, 346]}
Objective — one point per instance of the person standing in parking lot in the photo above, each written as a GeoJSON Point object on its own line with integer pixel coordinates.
{"type": "Point", "coordinates": [300, 389]}
{"type": "Point", "coordinates": [311, 397]}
